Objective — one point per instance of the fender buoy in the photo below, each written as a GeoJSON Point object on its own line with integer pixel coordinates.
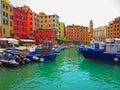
{"type": "Point", "coordinates": [42, 59]}
{"type": "Point", "coordinates": [115, 59]}
{"type": "Point", "coordinates": [35, 58]}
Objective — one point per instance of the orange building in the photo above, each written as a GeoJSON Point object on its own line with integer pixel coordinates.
{"type": "Point", "coordinates": [113, 30]}
{"type": "Point", "coordinates": [77, 33]}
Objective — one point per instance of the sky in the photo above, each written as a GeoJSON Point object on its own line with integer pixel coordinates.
{"type": "Point", "coordinates": [78, 12]}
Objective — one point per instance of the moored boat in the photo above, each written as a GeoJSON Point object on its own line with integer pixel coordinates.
{"type": "Point", "coordinates": [43, 53]}
{"type": "Point", "coordinates": [7, 61]}
{"type": "Point", "coordinates": [110, 52]}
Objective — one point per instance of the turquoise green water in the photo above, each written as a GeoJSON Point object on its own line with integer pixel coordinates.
{"type": "Point", "coordinates": [70, 71]}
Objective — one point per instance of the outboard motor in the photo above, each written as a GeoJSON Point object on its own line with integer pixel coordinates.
{"type": "Point", "coordinates": [19, 60]}
{"type": "Point", "coordinates": [23, 57]}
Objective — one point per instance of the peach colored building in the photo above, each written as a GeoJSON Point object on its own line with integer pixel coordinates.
{"type": "Point", "coordinates": [77, 33]}
{"type": "Point", "coordinates": [49, 22]}
{"type": "Point", "coordinates": [35, 21]}
{"type": "Point", "coordinates": [113, 30]}
{"type": "Point", "coordinates": [99, 33]}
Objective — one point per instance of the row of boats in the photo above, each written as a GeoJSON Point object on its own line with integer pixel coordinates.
{"type": "Point", "coordinates": [109, 51]}
{"type": "Point", "coordinates": [13, 57]}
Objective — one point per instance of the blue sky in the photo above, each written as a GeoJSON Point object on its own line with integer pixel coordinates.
{"type": "Point", "coordinates": [78, 12]}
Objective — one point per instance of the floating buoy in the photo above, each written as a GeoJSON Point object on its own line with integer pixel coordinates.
{"type": "Point", "coordinates": [116, 59]}
{"type": "Point", "coordinates": [35, 58]}
{"type": "Point", "coordinates": [42, 59]}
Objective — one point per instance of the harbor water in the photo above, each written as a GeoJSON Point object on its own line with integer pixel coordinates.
{"type": "Point", "coordinates": [70, 71]}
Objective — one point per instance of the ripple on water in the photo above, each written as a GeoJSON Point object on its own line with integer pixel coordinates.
{"type": "Point", "coordinates": [70, 71]}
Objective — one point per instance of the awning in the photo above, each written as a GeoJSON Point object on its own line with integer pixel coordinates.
{"type": "Point", "coordinates": [27, 40]}
{"type": "Point", "coordinates": [10, 40]}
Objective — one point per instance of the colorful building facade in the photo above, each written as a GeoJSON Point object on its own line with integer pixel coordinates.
{"type": "Point", "coordinates": [20, 23]}
{"type": "Point", "coordinates": [99, 33]}
{"type": "Point", "coordinates": [113, 30]}
{"type": "Point", "coordinates": [49, 22]}
{"type": "Point", "coordinates": [30, 19]}
{"type": "Point", "coordinates": [7, 19]}
{"type": "Point", "coordinates": [45, 35]}
{"type": "Point", "coordinates": [77, 33]}
{"type": "Point", "coordinates": [61, 30]}
{"type": "Point", "coordinates": [0, 18]}
{"type": "Point", "coordinates": [35, 21]}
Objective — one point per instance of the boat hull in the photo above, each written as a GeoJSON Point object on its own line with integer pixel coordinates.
{"type": "Point", "coordinates": [50, 57]}
{"type": "Point", "coordinates": [99, 55]}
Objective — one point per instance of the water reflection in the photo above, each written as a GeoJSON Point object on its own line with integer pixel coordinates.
{"type": "Point", "coordinates": [105, 75]}
{"type": "Point", "coordinates": [70, 71]}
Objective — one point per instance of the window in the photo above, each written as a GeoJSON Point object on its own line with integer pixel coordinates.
{"type": "Point", "coordinates": [23, 28]}
{"type": "Point", "coordinates": [6, 22]}
{"type": "Point", "coordinates": [22, 17]}
{"type": "Point", "coordinates": [6, 14]}
{"type": "Point", "coordinates": [3, 5]}
{"type": "Point", "coordinates": [11, 17]}
{"type": "Point", "coordinates": [4, 31]}
{"type": "Point", "coordinates": [46, 35]}
{"type": "Point", "coordinates": [3, 21]}
{"type": "Point", "coordinates": [17, 22]}
{"type": "Point", "coordinates": [10, 32]}
{"type": "Point", "coordinates": [53, 15]}
{"type": "Point", "coordinates": [31, 29]}
{"type": "Point", "coordinates": [10, 23]}
{"type": "Point", "coordinates": [3, 13]}
{"type": "Point", "coordinates": [7, 7]}
{"type": "Point", "coordinates": [22, 23]}
{"type": "Point", "coordinates": [10, 9]}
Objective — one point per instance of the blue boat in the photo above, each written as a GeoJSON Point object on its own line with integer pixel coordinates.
{"type": "Point", "coordinates": [108, 52]}
{"type": "Point", "coordinates": [43, 53]}
{"type": "Point", "coordinates": [58, 49]}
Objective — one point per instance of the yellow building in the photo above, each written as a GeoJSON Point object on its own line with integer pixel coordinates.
{"type": "Point", "coordinates": [7, 19]}
{"type": "Point", "coordinates": [61, 30]}
{"type": "Point", "coordinates": [0, 19]}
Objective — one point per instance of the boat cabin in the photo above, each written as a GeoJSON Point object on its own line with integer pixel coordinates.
{"type": "Point", "coordinates": [112, 46]}
{"type": "Point", "coordinates": [97, 45]}
{"type": "Point", "coordinates": [44, 49]}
